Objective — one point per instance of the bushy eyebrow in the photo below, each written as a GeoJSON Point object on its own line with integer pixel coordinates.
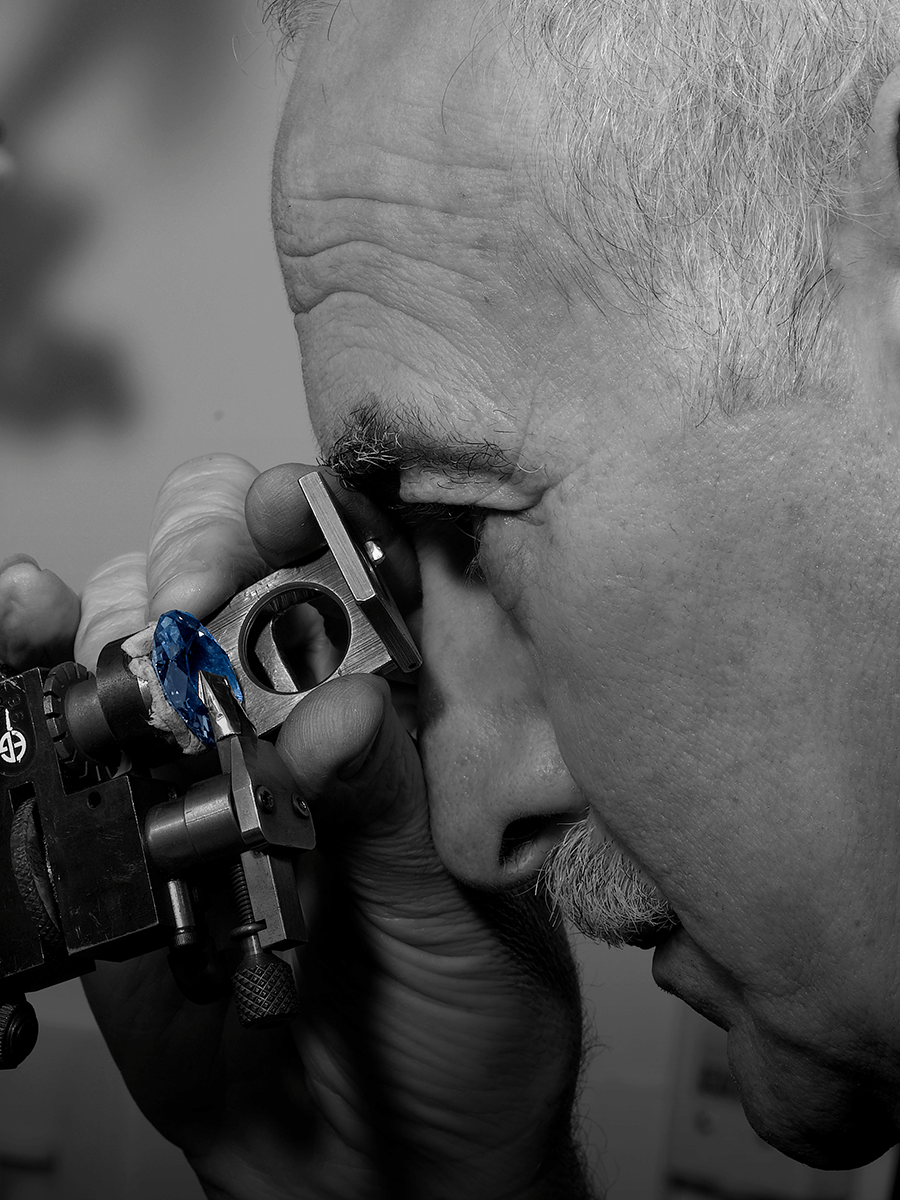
{"type": "Point", "coordinates": [375, 446]}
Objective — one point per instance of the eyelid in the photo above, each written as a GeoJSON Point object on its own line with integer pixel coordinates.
{"type": "Point", "coordinates": [469, 491]}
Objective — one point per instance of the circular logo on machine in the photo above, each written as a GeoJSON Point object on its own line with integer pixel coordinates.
{"type": "Point", "coordinates": [13, 743]}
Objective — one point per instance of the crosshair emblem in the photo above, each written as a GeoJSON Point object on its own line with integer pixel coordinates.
{"type": "Point", "coordinates": [13, 743]}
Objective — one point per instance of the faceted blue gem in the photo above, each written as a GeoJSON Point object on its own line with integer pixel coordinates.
{"type": "Point", "coordinates": [182, 647]}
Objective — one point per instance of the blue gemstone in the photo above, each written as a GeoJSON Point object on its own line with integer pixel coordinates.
{"type": "Point", "coordinates": [182, 647]}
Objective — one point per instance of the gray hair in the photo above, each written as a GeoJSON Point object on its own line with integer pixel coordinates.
{"type": "Point", "coordinates": [702, 151]}
{"type": "Point", "coordinates": [699, 154]}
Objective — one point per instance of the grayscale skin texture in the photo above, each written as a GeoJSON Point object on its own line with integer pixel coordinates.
{"type": "Point", "coordinates": [691, 629]}
{"type": "Point", "coordinates": [687, 629]}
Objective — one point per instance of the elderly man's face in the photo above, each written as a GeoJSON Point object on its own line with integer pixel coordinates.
{"type": "Point", "coordinates": [666, 625]}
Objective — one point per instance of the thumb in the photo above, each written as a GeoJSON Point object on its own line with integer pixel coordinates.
{"type": "Point", "coordinates": [359, 769]}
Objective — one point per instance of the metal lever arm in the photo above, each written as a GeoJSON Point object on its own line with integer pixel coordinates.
{"type": "Point", "coordinates": [272, 819]}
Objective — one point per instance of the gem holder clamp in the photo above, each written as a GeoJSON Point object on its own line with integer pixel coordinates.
{"type": "Point", "coordinates": [104, 864]}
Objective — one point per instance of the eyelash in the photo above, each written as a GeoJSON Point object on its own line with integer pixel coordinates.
{"type": "Point", "coordinates": [470, 520]}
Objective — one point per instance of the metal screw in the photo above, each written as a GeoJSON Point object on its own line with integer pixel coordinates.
{"type": "Point", "coordinates": [374, 551]}
{"type": "Point", "coordinates": [262, 984]}
{"type": "Point", "coordinates": [265, 801]}
{"type": "Point", "coordinates": [18, 1031]}
{"type": "Point", "coordinates": [299, 805]}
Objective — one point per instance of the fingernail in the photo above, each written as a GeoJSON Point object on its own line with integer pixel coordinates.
{"type": "Point", "coordinates": [355, 765]}
{"type": "Point", "coordinates": [13, 560]}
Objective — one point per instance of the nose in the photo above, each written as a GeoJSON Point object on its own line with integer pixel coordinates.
{"type": "Point", "coordinates": [500, 795]}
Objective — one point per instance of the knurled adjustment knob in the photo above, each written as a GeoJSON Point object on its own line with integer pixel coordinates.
{"type": "Point", "coordinates": [57, 683]}
{"type": "Point", "coordinates": [264, 991]}
{"type": "Point", "coordinates": [18, 1032]}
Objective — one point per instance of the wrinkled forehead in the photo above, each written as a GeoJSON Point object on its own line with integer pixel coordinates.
{"type": "Point", "coordinates": [293, 18]}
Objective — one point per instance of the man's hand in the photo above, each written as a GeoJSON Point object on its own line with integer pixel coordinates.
{"type": "Point", "coordinates": [438, 1045]}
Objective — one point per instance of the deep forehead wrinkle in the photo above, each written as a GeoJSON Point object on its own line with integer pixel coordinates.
{"type": "Point", "coordinates": [377, 444]}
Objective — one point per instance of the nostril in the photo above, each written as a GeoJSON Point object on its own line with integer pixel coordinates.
{"type": "Point", "coordinates": [527, 841]}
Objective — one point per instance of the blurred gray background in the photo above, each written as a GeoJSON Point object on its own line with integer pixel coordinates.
{"type": "Point", "coordinates": [142, 322]}
{"type": "Point", "coordinates": [141, 315]}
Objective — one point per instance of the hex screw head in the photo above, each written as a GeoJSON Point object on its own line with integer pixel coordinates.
{"type": "Point", "coordinates": [299, 805]}
{"type": "Point", "coordinates": [265, 801]}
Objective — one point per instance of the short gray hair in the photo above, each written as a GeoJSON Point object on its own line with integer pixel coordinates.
{"type": "Point", "coordinates": [702, 151]}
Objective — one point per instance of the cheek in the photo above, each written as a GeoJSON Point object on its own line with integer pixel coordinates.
{"type": "Point", "coordinates": [666, 726]}
{"type": "Point", "coordinates": [509, 559]}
